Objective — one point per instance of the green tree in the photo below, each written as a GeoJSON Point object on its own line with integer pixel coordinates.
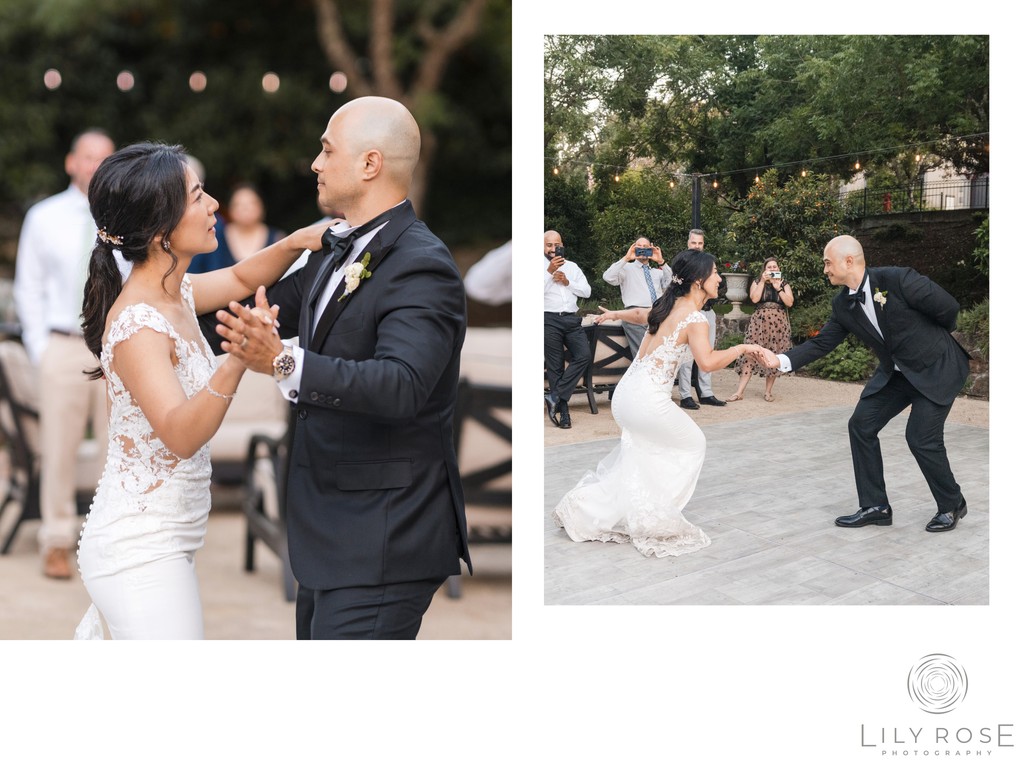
{"type": "Point", "coordinates": [792, 222]}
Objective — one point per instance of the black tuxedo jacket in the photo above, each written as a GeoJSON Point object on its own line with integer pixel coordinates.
{"type": "Point", "coordinates": [916, 321]}
{"type": "Point", "coordinates": [374, 494]}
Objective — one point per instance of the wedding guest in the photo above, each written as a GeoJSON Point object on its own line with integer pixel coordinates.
{"type": "Point", "coordinates": [642, 277]}
{"type": "Point", "coordinates": [489, 280]}
{"type": "Point", "coordinates": [53, 255]}
{"type": "Point", "coordinates": [695, 241]}
{"type": "Point", "coordinates": [564, 282]}
{"type": "Point", "coordinates": [769, 327]}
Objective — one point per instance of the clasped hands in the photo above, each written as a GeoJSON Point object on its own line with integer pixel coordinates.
{"type": "Point", "coordinates": [250, 334]}
{"type": "Point", "coordinates": [767, 357]}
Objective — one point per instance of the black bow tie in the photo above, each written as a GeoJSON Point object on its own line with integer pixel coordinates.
{"type": "Point", "coordinates": [857, 297]}
{"type": "Point", "coordinates": [338, 245]}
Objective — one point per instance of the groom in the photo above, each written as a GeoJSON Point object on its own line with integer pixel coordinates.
{"type": "Point", "coordinates": [906, 319]}
{"type": "Point", "coordinates": [376, 520]}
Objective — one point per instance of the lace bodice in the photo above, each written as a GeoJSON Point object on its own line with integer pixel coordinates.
{"type": "Point", "coordinates": [140, 461]}
{"type": "Point", "coordinates": [662, 360]}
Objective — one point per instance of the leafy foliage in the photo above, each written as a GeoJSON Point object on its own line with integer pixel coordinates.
{"type": "Point", "coordinates": [791, 222]}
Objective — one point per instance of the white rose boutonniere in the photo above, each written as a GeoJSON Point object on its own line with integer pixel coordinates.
{"type": "Point", "coordinates": [880, 298]}
{"type": "Point", "coordinates": [355, 272]}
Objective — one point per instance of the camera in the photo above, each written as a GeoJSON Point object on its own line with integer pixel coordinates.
{"type": "Point", "coordinates": [643, 252]}
{"type": "Point", "coordinates": [775, 274]}
{"type": "Point", "coordinates": [559, 251]}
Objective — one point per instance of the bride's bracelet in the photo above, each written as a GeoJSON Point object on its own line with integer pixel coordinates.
{"type": "Point", "coordinates": [219, 395]}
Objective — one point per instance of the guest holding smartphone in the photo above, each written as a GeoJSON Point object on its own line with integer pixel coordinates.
{"type": "Point", "coordinates": [769, 327]}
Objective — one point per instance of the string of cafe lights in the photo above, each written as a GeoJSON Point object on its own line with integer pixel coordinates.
{"type": "Point", "coordinates": [197, 81]}
{"type": "Point", "coordinates": [918, 147]}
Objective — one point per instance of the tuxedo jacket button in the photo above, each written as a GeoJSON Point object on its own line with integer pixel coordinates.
{"type": "Point", "coordinates": [337, 402]}
{"type": "Point", "coordinates": [314, 396]}
{"type": "Point", "coordinates": [303, 414]}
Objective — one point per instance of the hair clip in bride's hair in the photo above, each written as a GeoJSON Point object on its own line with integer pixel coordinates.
{"type": "Point", "coordinates": [109, 239]}
{"type": "Point", "coordinates": [676, 280]}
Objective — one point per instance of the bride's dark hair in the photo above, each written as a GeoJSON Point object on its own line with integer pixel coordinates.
{"type": "Point", "coordinates": [688, 267]}
{"type": "Point", "coordinates": [136, 194]}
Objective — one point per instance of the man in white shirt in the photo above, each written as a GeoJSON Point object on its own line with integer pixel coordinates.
{"type": "Point", "coordinates": [54, 248]}
{"type": "Point", "coordinates": [563, 284]}
{"type": "Point", "coordinates": [641, 278]}
{"type": "Point", "coordinates": [695, 241]}
{"type": "Point", "coordinates": [489, 280]}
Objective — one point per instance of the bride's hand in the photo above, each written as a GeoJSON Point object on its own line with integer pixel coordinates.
{"type": "Point", "coordinates": [309, 237]}
{"type": "Point", "coordinates": [607, 316]}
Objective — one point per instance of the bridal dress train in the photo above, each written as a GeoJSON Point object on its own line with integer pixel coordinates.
{"type": "Point", "coordinates": [148, 518]}
{"type": "Point", "coordinates": [638, 491]}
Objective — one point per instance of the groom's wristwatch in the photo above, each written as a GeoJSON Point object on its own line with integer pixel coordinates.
{"type": "Point", "coordinates": [284, 363]}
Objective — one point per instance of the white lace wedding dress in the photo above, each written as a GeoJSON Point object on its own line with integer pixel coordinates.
{"type": "Point", "coordinates": [150, 505]}
{"type": "Point", "coordinates": [638, 491]}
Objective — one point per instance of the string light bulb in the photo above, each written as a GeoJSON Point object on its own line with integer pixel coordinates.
{"type": "Point", "coordinates": [856, 165]}
{"type": "Point", "coordinates": [555, 171]}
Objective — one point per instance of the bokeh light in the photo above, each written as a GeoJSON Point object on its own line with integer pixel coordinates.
{"type": "Point", "coordinates": [339, 81]}
{"type": "Point", "coordinates": [52, 79]}
{"type": "Point", "coordinates": [197, 82]}
{"type": "Point", "coordinates": [125, 80]}
{"type": "Point", "coordinates": [271, 82]}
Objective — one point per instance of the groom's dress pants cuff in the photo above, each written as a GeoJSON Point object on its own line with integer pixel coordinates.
{"type": "Point", "coordinates": [784, 364]}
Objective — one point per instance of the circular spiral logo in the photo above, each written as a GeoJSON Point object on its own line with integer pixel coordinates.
{"type": "Point", "coordinates": [937, 683]}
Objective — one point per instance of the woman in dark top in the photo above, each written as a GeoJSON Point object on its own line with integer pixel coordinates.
{"type": "Point", "coordinates": [769, 327]}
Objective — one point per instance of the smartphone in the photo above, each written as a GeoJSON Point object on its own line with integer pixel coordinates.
{"type": "Point", "coordinates": [559, 251]}
{"type": "Point", "coordinates": [643, 252]}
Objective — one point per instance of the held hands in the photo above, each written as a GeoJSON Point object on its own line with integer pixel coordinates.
{"type": "Point", "coordinates": [766, 356]}
{"type": "Point", "coordinates": [250, 335]}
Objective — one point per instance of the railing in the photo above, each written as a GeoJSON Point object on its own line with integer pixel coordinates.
{"type": "Point", "coordinates": [961, 194]}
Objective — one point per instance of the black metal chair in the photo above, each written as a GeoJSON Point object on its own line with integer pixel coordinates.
{"type": "Point", "coordinates": [483, 431]}
{"type": "Point", "coordinates": [610, 357]}
{"type": "Point", "coordinates": [19, 425]}
{"type": "Point", "coordinates": [264, 506]}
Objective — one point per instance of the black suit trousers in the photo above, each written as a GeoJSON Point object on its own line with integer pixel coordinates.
{"type": "Point", "coordinates": [378, 612]}
{"type": "Point", "coordinates": [924, 437]}
{"type": "Point", "coordinates": [561, 333]}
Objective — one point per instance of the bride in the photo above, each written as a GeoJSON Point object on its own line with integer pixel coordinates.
{"type": "Point", "coordinates": [166, 397]}
{"type": "Point", "coordinates": [638, 491]}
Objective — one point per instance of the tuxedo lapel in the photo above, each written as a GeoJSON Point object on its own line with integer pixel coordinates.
{"type": "Point", "coordinates": [378, 248]}
{"type": "Point", "coordinates": [312, 268]}
{"type": "Point", "coordinates": [878, 284]}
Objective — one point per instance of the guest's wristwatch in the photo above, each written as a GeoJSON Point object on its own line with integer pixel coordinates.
{"type": "Point", "coordinates": [284, 363]}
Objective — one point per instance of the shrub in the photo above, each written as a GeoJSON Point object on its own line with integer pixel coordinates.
{"type": "Point", "coordinates": [973, 326]}
{"type": "Point", "coordinates": [850, 361]}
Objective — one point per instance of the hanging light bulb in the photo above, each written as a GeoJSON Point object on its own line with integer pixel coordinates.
{"type": "Point", "coordinates": [803, 174]}
{"type": "Point", "coordinates": [856, 165]}
{"type": "Point", "coordinates": [917, 158]}
{"type": "Point", "coordinates": [757, 178]}
{"type": "Point", "coordinates": [714, 183]}
{"type": "Point", "coordinates": [671, 184]}
{"type": "Point", "coordinates": [555, 171]}
{"type": "Point", "coordinates": [616, 178]}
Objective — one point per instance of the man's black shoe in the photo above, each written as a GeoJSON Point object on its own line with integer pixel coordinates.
{"type": "Point", "coordinates": [945, 521]}
{"type": "Point", "coordinates": [687, 403]}
{"type": "Point", "coordinates": [712, 400]}
{"type": "Point", "coordinates": [552, 404]}
{"type": "Point", "coordinates": [564, 421]}
{"type": "Point", "coordinates": [880, 515]}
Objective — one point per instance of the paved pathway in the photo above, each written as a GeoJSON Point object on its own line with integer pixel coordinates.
{"type": "Point", "coordinates": [768, 494]}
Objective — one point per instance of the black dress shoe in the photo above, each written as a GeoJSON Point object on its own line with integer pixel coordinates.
{"type": "Point", "coordinates": [687, 403]}
{"type": "Point", "coordinates": [552, 404]}
{"type": "Point", "coordinates": [714, 402]}
{"type": "Point", "coordinates": [945, 521]}
{"type": "Point", "coordinates": [564, 420]}
{"type": "Point", "coordinates": [880, 515]}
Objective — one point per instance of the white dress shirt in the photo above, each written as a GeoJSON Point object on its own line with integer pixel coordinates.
{"type": "Point", "coordinates": [631, 281]}
{"type": "Point", "coordinates": [54, 248]}
{"type": "Point", "coordinates": [289, 386]}
{"type": "Point", "coordinates": [562, 298]}
{"type": "Point", "coordinates": [489, 280]}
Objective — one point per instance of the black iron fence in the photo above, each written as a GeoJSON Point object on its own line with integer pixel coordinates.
{"type": "Point", "coordinates": [958, 194]}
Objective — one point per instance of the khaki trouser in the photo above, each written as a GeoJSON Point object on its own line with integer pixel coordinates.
{"type": "Point", "coordinates": [68, 401]}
